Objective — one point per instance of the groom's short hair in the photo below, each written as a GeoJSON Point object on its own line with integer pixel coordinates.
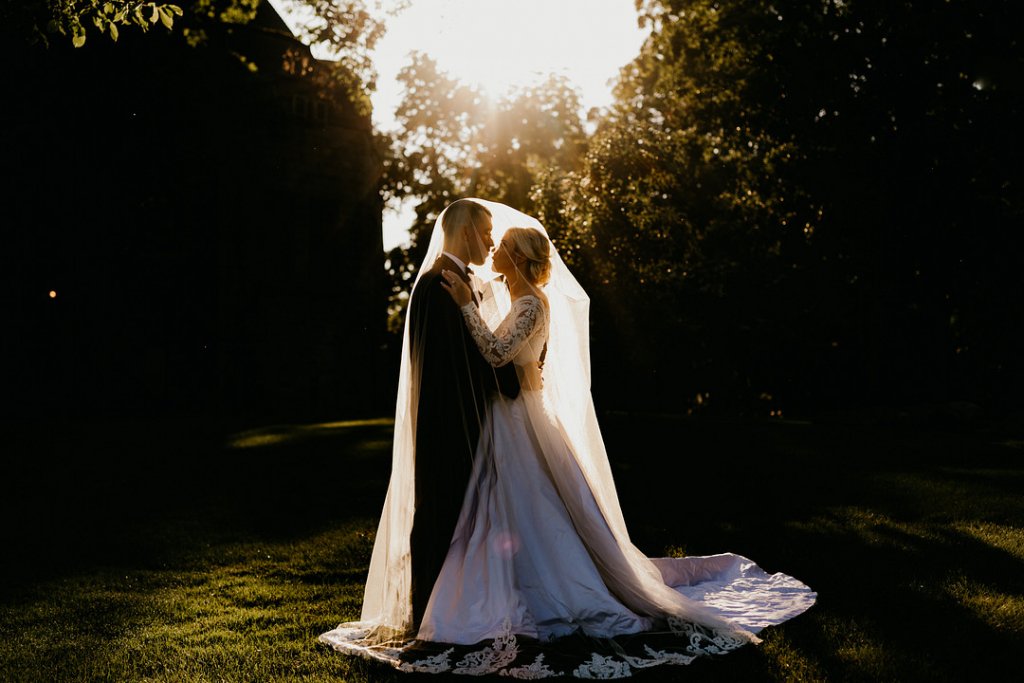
{"type": "Point", "coordinates": [460, 213]}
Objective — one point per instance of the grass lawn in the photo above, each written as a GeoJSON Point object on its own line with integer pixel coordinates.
{"type": "Point", "coordinates": [160, 551]}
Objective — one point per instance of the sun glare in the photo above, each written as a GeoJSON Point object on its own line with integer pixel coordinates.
{"type": "Point", "coordinates": [498, 45]}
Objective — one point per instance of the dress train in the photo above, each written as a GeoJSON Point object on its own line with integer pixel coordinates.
{"type": "Point", "coordinates": [524, 590]}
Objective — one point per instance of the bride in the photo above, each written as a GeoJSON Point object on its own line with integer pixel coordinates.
{"type": "Point", "coordinates": [540, 578]}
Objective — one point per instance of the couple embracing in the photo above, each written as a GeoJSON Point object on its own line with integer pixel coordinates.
{"type": "Point", "coordinates": [502, 547]}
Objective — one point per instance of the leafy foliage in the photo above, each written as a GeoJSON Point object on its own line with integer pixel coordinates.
{"type": "Point", "coordinates": [812, 203]}
{"type": "Point", "coordinates": [454, 140]}
{"type": "Point", "coordinates": [349, 32]}
{"type": "Point", "coordinates": [72, 17]}
{"type": "Point", "coordinates": [794, 192]}
{"type": "Point", "coordinates": [347, 29]}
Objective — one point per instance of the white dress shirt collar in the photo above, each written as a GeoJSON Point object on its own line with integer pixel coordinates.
{"type": "Point", "coordinates": [456, 260]}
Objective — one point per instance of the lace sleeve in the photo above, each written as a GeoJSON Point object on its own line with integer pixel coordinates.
{"type": "Point", "coordinates": [502, 345]}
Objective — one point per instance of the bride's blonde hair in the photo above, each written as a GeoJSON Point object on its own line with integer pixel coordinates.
{"type": "Point", "coordinates": [532, 245]}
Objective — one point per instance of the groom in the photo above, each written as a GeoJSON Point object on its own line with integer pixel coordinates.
{"type": "Point", "coordinates": [452, 382]}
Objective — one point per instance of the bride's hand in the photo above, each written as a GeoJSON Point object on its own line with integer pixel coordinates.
{"type": "Point", "coordinates": [454, 285]}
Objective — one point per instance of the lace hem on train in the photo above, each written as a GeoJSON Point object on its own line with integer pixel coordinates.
{"type": "Point", "coordinates": [730, 585]}
{"type": "Point", "coordinates": [528, 659]}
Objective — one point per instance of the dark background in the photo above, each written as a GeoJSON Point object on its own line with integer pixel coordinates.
{"type": "Point", "coordinates": [212, 233]}
{"type": "Point", "coordinates": [800, 225]}
{"type": "Point", "coordinates": [790, 210]}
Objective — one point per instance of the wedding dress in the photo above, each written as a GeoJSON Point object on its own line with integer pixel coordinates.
{"type": "Point", "coordinates": [540, 578]}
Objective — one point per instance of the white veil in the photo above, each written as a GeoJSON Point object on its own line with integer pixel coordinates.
{"type": "Point", "coordinates": [387, 610]}
{"type": "Point", "coordinates": [387, 598]}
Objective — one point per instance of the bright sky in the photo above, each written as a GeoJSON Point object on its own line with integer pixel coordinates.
{"type": "Point", "coordinates": [498, 44]}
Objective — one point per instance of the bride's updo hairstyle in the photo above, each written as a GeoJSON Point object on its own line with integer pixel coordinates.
{"type": "Point", "coordinates": [532, 245]}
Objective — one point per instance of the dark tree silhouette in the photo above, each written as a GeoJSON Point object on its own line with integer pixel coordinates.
{"type": "Point", "coordinates": [208, 219]}
{"type": "Point", "coordinates": [813, 202]}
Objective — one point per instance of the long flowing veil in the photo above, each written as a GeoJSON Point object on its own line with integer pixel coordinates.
{"type": "Point", "coordinates": [387, 598]}
{"type": "Point", "coordinates": [387, 613]}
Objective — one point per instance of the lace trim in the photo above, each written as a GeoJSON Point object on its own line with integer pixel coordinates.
{"type": "Point", "coordinates": [500, 655]}
{"type": "Point", "coordinates": [431, 665]}
{"type": "Point", "coordinates": [602, 668]}
{"type": "Point", "coordinates": [705, 640]}
{"type": "Point", "coordinates": [531, 672]}
{"type": "Point", "coordinates": [504, 344]}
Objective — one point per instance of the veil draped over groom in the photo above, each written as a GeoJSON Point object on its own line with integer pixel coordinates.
{"type": "Point", "coordinates": [542, 451]}
{"type": "Point", "coordinates": [388, 600]}
{"type": "Point", "coordinates": [387, 614]}
{"type": "Point", "coordinates": [449, 394]}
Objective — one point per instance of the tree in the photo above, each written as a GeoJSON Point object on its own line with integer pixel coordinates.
{"type": "Point", "coordinates": [190, 209]}
{"type": "Point", "coordinates": [681, 219]}
{"type": "Point", "coordinates": [42, 19]}
{"type": "Point", "coordinates": [346, 28]}
{"type": "Point", "coordinates": [793, 194]}
{"type": "Point", "coordinates": [454, 140]}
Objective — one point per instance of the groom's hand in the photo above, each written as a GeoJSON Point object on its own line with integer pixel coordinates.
{"type": "Point", "coordinates": [454, 285]}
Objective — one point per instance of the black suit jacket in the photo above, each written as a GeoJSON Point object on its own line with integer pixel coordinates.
{"type": "Point", "coordinates": [452, 382]}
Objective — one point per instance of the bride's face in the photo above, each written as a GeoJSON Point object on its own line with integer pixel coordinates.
{"type": "Point", "coordinates": [503, 260]}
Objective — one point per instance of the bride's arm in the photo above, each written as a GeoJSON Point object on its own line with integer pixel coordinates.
{"type": "Point", "coordinates": [502, 345]}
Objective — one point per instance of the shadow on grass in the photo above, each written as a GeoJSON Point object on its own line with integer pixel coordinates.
{"type": "Point", "coordinates": [913, 541]}
{"type": "Point", "coordinates": [86, 495]}
{"type": "Point", "coordinates": [171, 552]}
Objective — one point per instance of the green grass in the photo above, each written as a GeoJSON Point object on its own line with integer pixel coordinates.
{"type": "Point", "coordinates": [169, 552]}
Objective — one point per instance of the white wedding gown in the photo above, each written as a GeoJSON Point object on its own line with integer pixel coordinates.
{"type": "Point", "coordinates": [536, 582]}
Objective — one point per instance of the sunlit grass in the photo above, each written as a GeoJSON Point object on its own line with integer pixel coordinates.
{"type": "Point", "coordinates": [240, 612]}
{"type": "Point", "coordinates": [1007, 538]}
{"type": "Point", "coordinates": [785, 661]}
{"type": "Point", "coordinates": [223, 560]}
{"type": "Point", "coordinates": [1002, 611]}
{"type": "Point", "coordinates": [282, 434]}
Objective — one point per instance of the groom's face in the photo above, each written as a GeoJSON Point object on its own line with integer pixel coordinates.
{"type": "Point", "coordinates": [480, 243]}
